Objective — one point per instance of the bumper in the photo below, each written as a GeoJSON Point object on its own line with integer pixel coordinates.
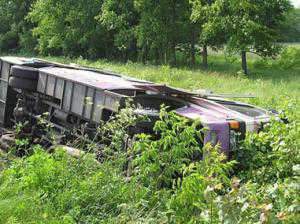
{"type": "Point", "coordinates": [225, 137]}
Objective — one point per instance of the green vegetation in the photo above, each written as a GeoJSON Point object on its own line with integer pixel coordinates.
{"type": "Point", "coordinates": [171, 179]}
{"type": "Point", "coordinates": [243, 26]}
{"type": "Point", "coordinates": [290, 29]}
{"type": "Point", "coordinates": [145, 184]}
{"type": "Point", "coordinates": [260, 186]}
{"type": "Point", "coordinates": [142, 30]}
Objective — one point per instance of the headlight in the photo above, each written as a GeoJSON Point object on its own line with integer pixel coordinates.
{"type": "Point", "coordinates": [234, 125]}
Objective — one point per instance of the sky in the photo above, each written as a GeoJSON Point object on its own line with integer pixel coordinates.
{"type": "Point", "coordinates": [296, 3]}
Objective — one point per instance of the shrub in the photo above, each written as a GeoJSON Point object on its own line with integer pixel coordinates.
{"type": "Point", "coordinates": [194, 199]}
{"type": "Point", "coordinates": [288, 59]}
{"type": "Point", "coordinates": [250, 202]}
{"type": "Point", "coordinates": [159, 162]}
{"type": "Point", "coordinates": [174, 179]}
{"type": "Point", "coordinates": [270, 155]}
{"type": "Point", "coordinates": [111, 140]}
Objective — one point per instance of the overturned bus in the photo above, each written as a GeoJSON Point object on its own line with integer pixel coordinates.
{"type": "Point", "coordinates": [31, 87]}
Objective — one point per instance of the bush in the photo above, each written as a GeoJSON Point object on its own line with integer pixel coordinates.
{"type": "Point", "coordinates": [9, 40]}
{"type": "Point", "coordinates": [288, 59]}
{"type": "Point", "coordinates": [271, 154]}
{"type": "Point", "coordinates": [158, 163]}
{"type": "Point", "coordinates": [194, 199]}
{"type": "Point", "coordinates": [173, 179]}
{"type": "Point", "coordinates": [254, 203]}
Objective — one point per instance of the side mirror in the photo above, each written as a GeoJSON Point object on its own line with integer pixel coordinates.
{"type": "Point", "coordinates": [281, 115]}
{"type": "Point", "coordinates": [273, 111]}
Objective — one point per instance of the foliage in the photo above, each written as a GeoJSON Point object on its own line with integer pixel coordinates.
{"type": "Point", "coordinates": [56, 188]}
{"type": "Point", "coordinates": [289, 58]}
{"type": "Point", "coordinates": [163, 32]}
{"type": "Point", "coordinates": [167, 184]}
{"type": "Point", "coordinates": [202, 182]}
{"type": "Point", "coordinates": [154, 30]}
{"type": "Point", "coordinates": [271, 154]}
{"type": "Point", "coordinates": [252, 25]}
{"type": "Point", "coordinates": [68, 27]}
{"type": "Point", "coordinates": [163, 27]}
{"type": "Point", "coordinates": [114, 138]}
{"type": "Point", "coordinates": [209, 18]}
{"type": "Point", "coordinates": [157, 163]}
{"type": "Point", "coordinates": [244, 26]}
{"type": "Point", "coordinates": [120, 18]}
{"type": "Point", "coordinates": [15, 31]}
{"type": "Point", "coordinates": [253, 203]}
{"type": "Point", "coordinates": [269, 167]}
{"type": "Point", "coordinates": [290, 28]}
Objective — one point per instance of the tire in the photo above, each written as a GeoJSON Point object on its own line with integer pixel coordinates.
{"type": "Point", "coordinates": [4, 146]}
{"type": "Point", "coordinates": [24, 72]}
{"type": "Point", "coordinates": [20, 83]}
{"type": "Point", "coordinates": [8, 139]}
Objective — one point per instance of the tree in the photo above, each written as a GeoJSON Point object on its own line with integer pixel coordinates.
{"type": "Point", "coordinates": [189, 35]}
{"type": "Point", "coordinates": [155, 30]}
{"type": "Point", "coordinates": [290, 28]}
{"type": "Point", "coordinates": [251, 26]}
{"type": "Point", "coordinates": [152, 31]}
{"type": "Point", "coordinates": [15, 31]}
{"type": "Point", "coordinates": [120, 18]}
{"type": "Point", "coordinates": [211, 31]}
{"type": "Point", "coordinates": [163, 28]}
{"type": "Point", "coordinates": [69, 27]}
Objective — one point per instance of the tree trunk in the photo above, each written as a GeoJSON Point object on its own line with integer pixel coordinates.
{"type": "Point", "coordinates": [244, 62]}
{"type": "Point", "coordinates": [157, 56]}
{"type": "Point", "coordinates": [173, 42]}
{"type": "Point", "coordinates": [134, 51]}
{"type": "Point", "coordinates": [173, 53]}
{"type": "Point", "coordinates": [193, 57]}
{"type": "Point", "coordinates": [145, 54]}
{"type": "Point", "coordinates": [204, 57]}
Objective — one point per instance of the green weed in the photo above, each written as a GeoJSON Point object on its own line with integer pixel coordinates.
{"type": "Point", "coordinates": [166, 181]}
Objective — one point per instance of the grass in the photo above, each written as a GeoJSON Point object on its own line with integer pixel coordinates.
{"type": "Point", "coordinates": [54, 188]}
{"type": "Point", "coordinates": [293, 44]}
